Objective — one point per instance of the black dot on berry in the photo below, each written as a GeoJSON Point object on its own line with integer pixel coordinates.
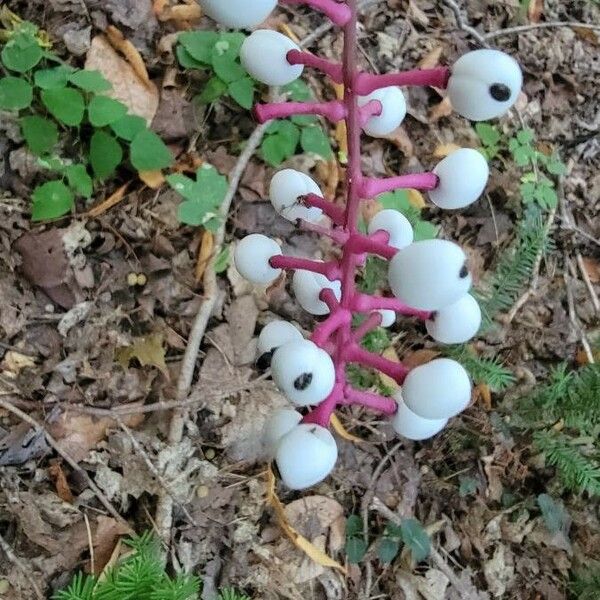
{"type": "Point", "coordinates": [264, 360]}
{"type": "Point", "coordinates": [500, 92]}
{"type": "Point", "coordinates": [303, 381]}
{"type": "Point", "coordinates": [464, 272]}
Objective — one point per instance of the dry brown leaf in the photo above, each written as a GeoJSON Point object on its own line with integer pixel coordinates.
{"type": "Point", "coordinates": [391, 354]}
{"type": "Point", "coordinates": [106, 539]}
{"type": "Point", "coordinates": [592, 268]}
{"type": "Point", "coordinates": [431, 59]}
{"type": "Point", "coordinates": [420, 357]}
{"type": "Point", "coordinates": [137, 92]}
{"type": "Point", "coordinates": [400, 138]}
{"type": "Point", "coordinates": [149, 350]}
{"type": "Point", "coordinates": [14, 362]}
{"type": "Point", "coordinates": [129, 51]}
{"type": "Point", "coordinates": [483, 392]}
{"type": "Point", "coordinates": [416, 199]}
{"type": "Point", "coordinates": [535, 10]}
{"type": "Point", "coordinates": [153, 179]}
{"type": "Point", "coordinates": [443, 150]}
{"type": "Point", "coordinates": [587, 35]}
{"type": "Point", "coordinates": [205, 252]}
{"type": "Point", "coordinates": [285, 28]}
{"type": "Point", "coordinates": [158, 6]}
{"type": "Point", "coordinates": [111, 201]}
{"type": "Point", "coordinates": [443, 109]}
{"type": "Point", "coordinates": [60, 482]}
{"type": "Point", "coordinates": [180, 12]}
{"type": "Point", "coordinates": [342, 432]}
{"type": "Point", "coordinates": [298, 540]}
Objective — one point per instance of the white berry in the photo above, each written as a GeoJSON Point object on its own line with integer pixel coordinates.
{"type": "Point", "coordinates": [413, 427]}
{"type": "Point", "coordinates": [429, 274]}
{"type": "Point", "coordinates": [238, 14]}
{"type": "Point", "coordinates": [252, 257]}
{"type": "Point", "coordinates": [484, 84]}
{"type": "Point", "coordinates": [396, 224]}
{"type": "Point", "coordinates": [280, 423]}
{"type": "Point", "coordinates": [287, 186]}
{"type": "Point", "coordinates": [463, 176]}
{"type": "Point", "coordinates": [275, 334]}
{"type": "Point", "coordinates": [457, 323]}
{"type": "Point", "coordinates": [307, 287]}
{"type": "Point", "coordinates": [393, 111]}
{"type": "Point", "coordinates": [439, 389]}
{"type": "Point", "coordinates": [305, 456]}
{"type": "Point", "coordinates": [303, 372]}
{"type": "Point", "coordinates": [388, 317]}
{"type": "Point", "coordinates": [264, 56]}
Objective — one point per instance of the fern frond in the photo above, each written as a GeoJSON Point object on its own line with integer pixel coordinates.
{"type": "Point", "coordinates": [231, 594]}
{"type": "Point", "coordinates": [514, 269]}
{"type": "Point", "coordinates": [81, 588]}
{"type": "Point", "coordinates": [585, 584]}
{"type": "Point", "coordinates": [183, 587]}
{"type": "Point", "coordinates": [482, 369]}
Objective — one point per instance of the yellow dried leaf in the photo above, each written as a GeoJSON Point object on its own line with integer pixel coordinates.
{"type": "Point", "coordinates": [205, 252]}
{"type": "Point", "coordinates": [431, 59]}
{"type": "Point", "coordinates": [442, 150]}
{"type": "Point", "coordinates": [181, 12]}
{"type": "Point", "coordinates": [111, 201]}
{"type": "Point", "coordinates": [153, 179]}
{"type": "Point", "coordinates": [129, 51]}
{"type": "Point", "coordinates": [14, 362]}
{"type": "Point", "coordinates": [285, 28]}
{"type": "Point", "coordinates": [342, 432]}
{"type": "Point", "coordinates": [416, 199]}
{"type": "Point", "coordinates": [149, 350]}
{"type": "Point", "coordinates": [390, 354]}
{"type": "Point", "coordinates": [298, 540]}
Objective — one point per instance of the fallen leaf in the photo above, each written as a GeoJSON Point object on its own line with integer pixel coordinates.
{"type": "Point", "coordinates": [129, 85]}
{"type": "Point", "coordinates": [391, 354]}
{"type": "Point", "coordinates": [60, 482]}
{"type": "Point", "coordinates": [298, 540]}
{"type": "Point", "coordinates": [592, 268]}
{"type": "Point", "coordinates": [129, 51]}
{"type": "Point", "coordinates": [153, 179]}
{"type": "Point", "coordinates": [483, 392]}
{"type": "Point", "coordinates": [342, 432]}
{"type": "Point", "coordinates": [442, 150]}
{"type": "Point", "coordinates": [180, 12]}
{"type": "Point", "coordinates": [535, 10]}
{"type": "Point", "coordinates": [431, 59]}
{"type": "Point", "coordinates": [416, 199]}
{"type": "Point", "coordinates": [106, 538]}
{"type": "Point", "coordinates": [149, 350]}
{"type": "Point", "coordinates": [14, 362]}
{"type": "Point", "coordinates": [207, 246]}
{"type": "Point", "coordinates": [420, 357]}
{"type": "Point", "coordinates": [440, 110]}
{"type": "Point", "coordinates": [111, 201]}
{"type": "Point", "coordinates": [400, 138]}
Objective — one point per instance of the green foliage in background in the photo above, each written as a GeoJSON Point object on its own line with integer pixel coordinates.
{"type": "Point", "coordinates": [139, 576]}
{"type": "Point", "coordinates": [285, 137]}
{"type": "Point", "coordinates": [585, 583]}
{"type": "Point", "coordinates": [482, 369]}
{"type": "Point", "coordinates": [54, 101]}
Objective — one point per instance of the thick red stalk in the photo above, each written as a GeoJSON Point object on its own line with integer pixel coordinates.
{"type": "Point", "coordinates": [334, 111]}
{"type": "Point", "coordinates": [338, 12]}
{"type": "Point", "coordinates": [331, 269]}
{"type": "Point", "coordinates": [367, 82]}
{"type": "Point", "coordinates": [333, 70]}
{"type": "Point", "coordinates": [372, 186]}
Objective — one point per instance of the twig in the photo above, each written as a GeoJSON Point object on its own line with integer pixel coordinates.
{"type": "Point", "coordinates": [70, 461]}
{"type": "Point", "coordinates": [462, 24]}
{"type": "Point", "coordinates": [164, 511]}
{"type": "Point", "coordinates": [588, 282]}
{"type": "Point", "coordinates": [521, 28]}
{"type": "Point", "coordinates": [20, 566]}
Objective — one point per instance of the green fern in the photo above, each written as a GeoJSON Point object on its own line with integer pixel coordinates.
{"type": "Point", "coordinates": [231, 594]}
{"type": "Point", "coordinates": [483, 369]}
{"type": "Point", "coordinates": [514, 269]}
{"type": "Point", "coordinates": [585, 584]}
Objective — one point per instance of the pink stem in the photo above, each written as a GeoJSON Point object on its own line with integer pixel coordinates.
{"type": "Point", "coordinates": [334, 212]}
{"type": "Point", "coordinates": [387, 406]}
{"type": "Point", "coordinates": [331, 269]}
{"type": "Point", "coordinates": [438, 77]}
{"type": "Point", "coordinates": [360, 244]}
{"type": "Point", "coordinates": [322, 332]}
{"type": "Point", "coordinates": [372, 187]}
{"type": "Point", "coordinates": [356, 354]}
{"type": "Point", "coordinates": [366, 303]}
{"type": "Point", "coordinates": [334, 70]}
{"type": "Point", "coordinates": [339, 236]}
{"type": "Point", "coordinates": [373, 108]}
{"type": "Point", "coordinates": [334, 110]}
{"type": "Point", "coordinates": [321, 415]}
{"type": "Point", "coordinates": [373, 321]}
{"type": "Point", "coordinates": [339, 13]}
{"type": "Point", "coordinates": [330, 299]}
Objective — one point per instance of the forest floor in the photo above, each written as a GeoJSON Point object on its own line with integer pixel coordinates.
{"type": "Point", "coordinates": [96, 312]}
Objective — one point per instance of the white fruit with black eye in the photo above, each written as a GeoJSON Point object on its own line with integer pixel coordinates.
{"type": "Point", "coordinates": [303, 372]}
{"type": "Point", "coordinates": [278, 425]}
{"type": "Point", "coordinates": [393, 111]}
{"type": "Point", "coordinates": [396, 224]}
{"type": "Point", "coordinates": [484, 84]}
{"type": "Point", "coordinates": [413, 427]}
{"type": "Point", "coordinates": [463, 175]}
{"type": "Point", "coordinates": [238, 14]}
{"type": "Point", "coordinates": [307, 287]}
{"type": "Point", "coordinates": [252, 257]}
{"type": "Point", "coordinates": [286, 189]}
{"type": "Point", "coordinates": [457, 323]}
{"type": "Point", "coordinates": [388, 317]}
{"type": "Point", "coordinates": [439, 389]}
{"type": "Point", "coordinates": [305, 456]}
{"type": "Point", "coordinates": [264, 56]}
{"type": "Point", "coordinates": [429, 274]}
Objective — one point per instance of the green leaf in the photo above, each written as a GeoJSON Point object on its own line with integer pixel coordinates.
{"type": "Point", "coordinates": [199, 44]}
{"type": "Point", "coordinates": [128, 126]}
{"type": "Point", "coordinates": [273, 150]}
{"type": "Point", "coordinates": [528, 192]}
{"type": "Point", "coordinates": [148, 152]}
{"type": "Point", "coordinates": [79, 180]}
{"type": "Point", "coordinates": [304, 120]}
{"type": "Point", "coordinates": [416, 538]}
{"type": "Point", "coordinates": [15, 93]}
{"type": "Point", "coordinates": [90, 81]}
{"type": "Point", "coordinates": [298, 91]}
{"type": "Point", "coordinates": [103, 111]}
{"type": "Point", "coordinates": [51, 200]}
{"type": "Point", "coordinates": [356, 548]}
{"type": "Point", "coordinates": [40, 134]}
{"type": "Point", "coordinates": [424, 230]}
{"type": "Point", "coordinates": [354, 526]}
{"type": "Point", "coordinates": [186, 60]}
{"type": "Point", "coordinates": [556, 166]}
{"type": "Point", "coordinates": [21, 53]}
{"type": "Point", "coordinates": [488, 134]}
{"type": "Point", "coordinates": [49, 79]}
{"type": "Point", "coordinates": [546, 195]}
{"type": "Point", "coordinates": [315, 140]}
{"type": "Point", "coordinates": [387, 549]}
{"type": "Point", "coordinates": [242, 91]}
{"type": "Point", "coordinates": [398, 200]}
{"type": "Point", "coordinates": [212, 91]}
{"type": "Point", "coordinates": [468, 485]}
{"type": "Point", "coordinates": [227, 68]}
{"type": "Point", "coordinates": [65, 104]}
{"type": "Point", "coordinates": [525, 136]}
{"type": "Point", "coordinates": [234, 41]}
{"type": "Point", "coordinates": [554, 514]}
{"type": "Point", "coordinates": [213, 185]}
{"type": "Point", "coordinates": [222, 261]}
{"type": "Point", "coordinates": [105, 154]}
{"type": "Point", "coordinates": [288, 137]}
{"type": "Point", "coordinates": [183, 185]}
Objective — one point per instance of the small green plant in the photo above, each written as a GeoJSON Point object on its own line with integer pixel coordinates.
{"type": "Point", "coordinates": [482, 369]}
{"type": "Point", "coordinates": [585, 583]}
{"type": "Point", "coordinates": [219, 54]}
{"type": "Point", "coordinates": [202, 198]}
{"type": "Point", "coordinates": [564, 416]}
{"type": "Point", "coordinates": [409, 533]}
{"type": "Point", "coordinates": [53, 100]}
{"type": "Point", "coordinates": [283, 136]}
